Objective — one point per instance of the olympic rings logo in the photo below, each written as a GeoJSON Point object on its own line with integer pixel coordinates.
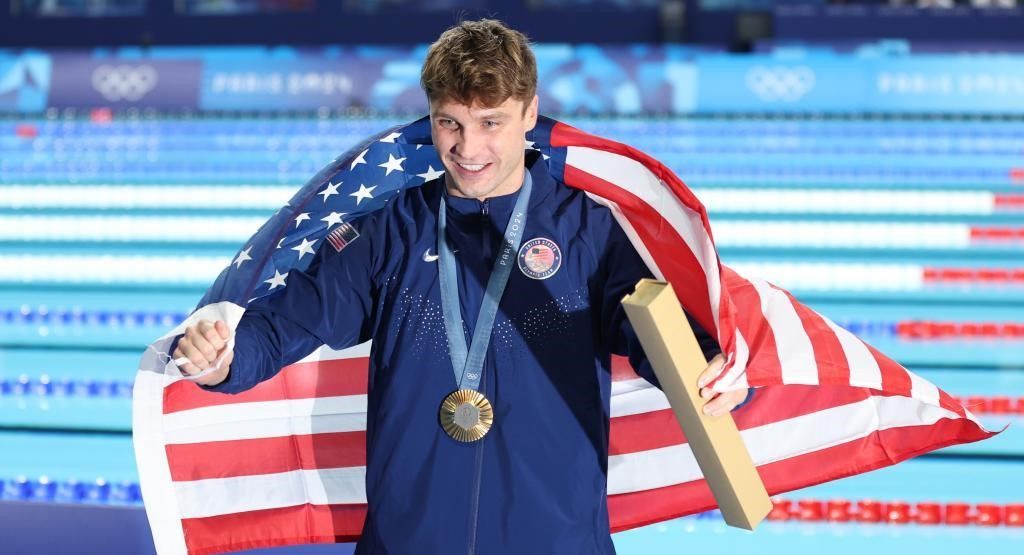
{"type": "Point", "coordinates": [124, 82]}
{"type": "Point", "coordinates": [780, 84]}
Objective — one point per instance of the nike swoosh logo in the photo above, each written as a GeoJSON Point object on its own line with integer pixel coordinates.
{"type": "Point", "coordinates": [427, 257]}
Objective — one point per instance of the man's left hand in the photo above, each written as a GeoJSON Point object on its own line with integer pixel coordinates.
{"type": "Point", "coordinates": [717, 404]}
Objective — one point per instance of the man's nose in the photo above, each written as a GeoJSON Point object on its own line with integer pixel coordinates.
{"type": "Point", "coordinates": [469, 145]}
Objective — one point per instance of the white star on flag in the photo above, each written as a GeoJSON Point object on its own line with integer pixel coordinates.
{"type": "Point", "coordinates": [242, 257]}
{"type": "Point", "coordinates": [363, 192]}
{"type": "Point", "coordinates": [301, 218]}
{"type": "Point", "coordinates": [359, 159]}
{"type": "Point", "coordinates": [391, 137]}
{"type": "Point", "coordinates": [281, 241]}
{"type": "Point", "coordinates": [529, 144]}
{"type": "Point", "coordinates": [393, 164]}
{"type": "Point", "coordinates": [331, 189]}
{"type": "Point", "coordinates": [431, 174]}
{"type": "Point", "coordinates": [278, 279]}
{"type": "Point", "coordinates": [304, 248]}
{"type": "Point", "coordinates": [334, 218]}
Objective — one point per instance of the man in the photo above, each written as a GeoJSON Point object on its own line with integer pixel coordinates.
{"type": "Point", "coordinates": [494, 271]}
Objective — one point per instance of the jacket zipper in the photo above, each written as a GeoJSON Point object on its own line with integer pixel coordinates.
{"type": "Point", "coordinates": [475, 506]}
{"type": "Point", "coordinates": [485, 228]}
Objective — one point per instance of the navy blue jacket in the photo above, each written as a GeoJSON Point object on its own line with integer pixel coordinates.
{"type": "Point", "coordinates": [536, 483]}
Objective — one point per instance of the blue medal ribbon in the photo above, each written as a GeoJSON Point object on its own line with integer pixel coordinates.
{"type": "Point", "coordinates": [467, 363]}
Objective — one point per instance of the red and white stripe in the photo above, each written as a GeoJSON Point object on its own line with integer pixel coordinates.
{"type": "Point", "coordinates": [308, 422]}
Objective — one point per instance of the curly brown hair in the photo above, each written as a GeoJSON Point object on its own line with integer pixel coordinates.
{"type": "Point", "coordinates": [480, 61]}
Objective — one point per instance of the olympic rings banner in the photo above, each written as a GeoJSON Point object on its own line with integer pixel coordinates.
{"type": "Point", "coordinates": [84, 81]}
{"type": "Point", "coordinates": [582, 79]}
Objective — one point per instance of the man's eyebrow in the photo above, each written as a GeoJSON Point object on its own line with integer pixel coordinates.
{"type": "Point", "coordinates": [497, 114]}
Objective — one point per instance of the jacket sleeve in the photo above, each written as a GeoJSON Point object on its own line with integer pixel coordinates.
{"type": "Point", "coordinates": [330, 303]}
{"type": "Point", "coordinates": [621, 269]}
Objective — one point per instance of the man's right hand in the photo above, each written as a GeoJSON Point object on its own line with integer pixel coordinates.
{"type": "Point", "coordinates": [202, 344]}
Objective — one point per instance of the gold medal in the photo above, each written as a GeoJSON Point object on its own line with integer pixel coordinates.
{"type": "Point", "coordinates": [466, 415]}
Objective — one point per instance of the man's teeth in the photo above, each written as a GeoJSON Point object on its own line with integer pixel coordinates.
{"type": "Point", "coordinates": [473, 167]}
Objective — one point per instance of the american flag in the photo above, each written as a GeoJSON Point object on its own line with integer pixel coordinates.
{"type": "Point", "coordinates": [284, 463]}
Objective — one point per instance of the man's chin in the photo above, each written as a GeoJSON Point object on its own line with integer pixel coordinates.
{"type": "Point", "coordinates": [473, 192]}
{"type": "Point", "coordinates": [469, 190]}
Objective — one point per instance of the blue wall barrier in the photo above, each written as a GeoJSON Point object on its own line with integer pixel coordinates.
{"type": "Point", "coordinates": [868, 20]}
{"type": "Point", "coordinates": [581, 79]}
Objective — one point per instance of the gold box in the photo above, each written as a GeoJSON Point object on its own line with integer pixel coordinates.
{"type": "Point", "coordinates": [678, 361]}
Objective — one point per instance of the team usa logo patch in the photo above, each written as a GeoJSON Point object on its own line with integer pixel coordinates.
{"type": "Point", "coordinates": [540, 258]}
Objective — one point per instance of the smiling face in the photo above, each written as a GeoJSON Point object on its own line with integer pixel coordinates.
{"type": "Point", "coordinates": [482, 148]}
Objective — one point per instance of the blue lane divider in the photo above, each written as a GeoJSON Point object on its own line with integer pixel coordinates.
{"type": "Point", "coordinates": [47, 387]}
{"type": "Point", "coordinates": [31, 172]}
{"type": "Point", "coordinates": [219, 156]}
{"type": "Point", "coordinates": [259, 148]}
{"type": "Point", "coordinates": [966, 177]}
{"type": "Point", "coordinates": [872, 328]}
{"type": "Point", "coordinates": [44, 385]}
{"type": "Point", "coordinates": [44, 316]}
{"type": "Point", "coordinates": [75, 125]}
{"type": "Point", "coordinates": [97, 492]}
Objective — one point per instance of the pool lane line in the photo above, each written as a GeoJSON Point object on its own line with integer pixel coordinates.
{"type": "Point", "coordinates": [898, 512]}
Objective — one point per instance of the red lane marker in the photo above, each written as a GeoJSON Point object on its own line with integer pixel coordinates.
{"type": "Point", "coordinates": [26, 131]}
{"type": "Point", "coordinates": [994, 275]}
{"type": "Point", "coordinates": [978, 404]}
{"type": "Point", "coordinates": [781, 509]}
{"type": "Point", "coordinates": [1017, 175]}
{"type": "Point", "coordinates": [926, 329]}
{"type": "Point", "coordinates": [839, 510]}
{"type": "Point", "coordinates": [989, 515]}
{"type": "Point", "coordinates": [1014, 515]}
{"type": "Point", "coordinates": [997, 233]}
{"type": "Point", "coordinates": [1009, 201]}
{"type": "Point", "coordinates": [1000, 405]}
{"type": "Point", "coordinates": [929, 513]}
{"type": "Point", "coordinates": [983, 275]}
{"type": "Point", "coordinates": [898, 512]}
{"type": "Point", "coordinates": [969, 329]}
{"type": "Point", "coordinates": [958, 514]}
{"type": "Point", "coordinates": [957, 274]}
{"type": "Point", "coordinates": [101, 115]}
{"type": "Point", "coordinates": [869, 511]}
{"type": "Point", "coordinates": [810, 510]}
{"type": "Point", "coordinates": [992, 405]}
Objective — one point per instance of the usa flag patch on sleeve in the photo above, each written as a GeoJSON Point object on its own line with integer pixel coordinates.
{"type": "Point", "coordinates": [342, 236]}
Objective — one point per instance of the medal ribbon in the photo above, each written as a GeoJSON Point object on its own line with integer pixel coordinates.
{"type": "Point", "coordinates": [467, 364]}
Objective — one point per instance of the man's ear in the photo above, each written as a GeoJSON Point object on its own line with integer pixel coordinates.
{"type": "Point", "coordinates": [531, 113]}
